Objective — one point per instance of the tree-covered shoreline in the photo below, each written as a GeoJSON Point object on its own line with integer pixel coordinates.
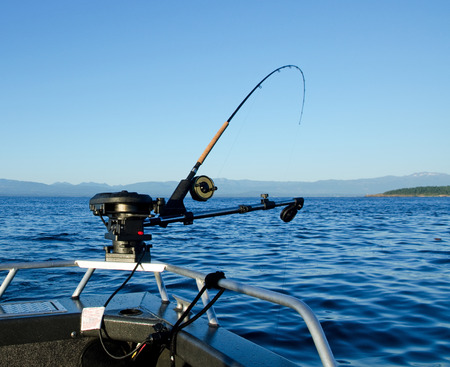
{"type": "Point", "coordinates": [425, 191]}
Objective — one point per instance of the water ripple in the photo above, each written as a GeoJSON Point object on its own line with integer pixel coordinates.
{"type": "Point", "coordinates": [375, 270]}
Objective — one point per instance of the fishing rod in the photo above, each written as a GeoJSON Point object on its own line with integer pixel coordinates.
{"type": "Point", "coordinates": [202, 187]}
{"type": "Point", "coordinates": [227, 122]}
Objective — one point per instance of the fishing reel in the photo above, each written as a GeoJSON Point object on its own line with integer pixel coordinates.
{"type": "Point", "coordinates": [202, 188]}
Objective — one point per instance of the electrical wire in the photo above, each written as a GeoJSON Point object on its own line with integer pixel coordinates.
{"type": "Point", "coordinates": [100, 336]}
{"type": "Point", "coordinates": [211, 281]}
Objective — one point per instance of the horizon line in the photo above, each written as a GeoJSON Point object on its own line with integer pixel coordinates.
{"type": "Point", "coordinates": [228, 179]}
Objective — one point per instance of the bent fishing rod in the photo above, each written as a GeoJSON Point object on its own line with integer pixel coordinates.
{"type": "Point", "coordinates": [202, 185]}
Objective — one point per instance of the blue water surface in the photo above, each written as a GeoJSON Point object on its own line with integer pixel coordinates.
{"type": "Point", "coordinates": [376, 271]}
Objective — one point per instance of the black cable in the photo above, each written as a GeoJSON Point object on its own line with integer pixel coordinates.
{"type": "Point", "coordinates": [211, 281]}
{"type": "Point", "coordinates": [114, 356]}
{"type": "Point", "coordinates": [125, 282]}
{"type": "Point", "coordinates": [188, 310]}
{"type": "Point", "coordinates": [202, 312]}
{"type": "Point", "coordinates": [106, 304]}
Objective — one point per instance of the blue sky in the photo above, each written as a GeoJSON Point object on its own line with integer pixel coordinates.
{"type": "Point", "coordinates": [131, 91]}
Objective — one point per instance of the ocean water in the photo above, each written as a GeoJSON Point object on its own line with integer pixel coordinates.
{"type": "Point", "coordinates": [376, 271]}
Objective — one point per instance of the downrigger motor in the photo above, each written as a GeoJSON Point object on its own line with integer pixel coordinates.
{"type": "Point", "coordinates": [126, 212]}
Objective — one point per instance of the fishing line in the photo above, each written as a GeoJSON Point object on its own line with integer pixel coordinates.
{"type": "Point", "coordinates": [258, 86]}
{"type": "Point", "coordinates": [284, 271]}
{"type": "Point", "coordinates": [242, 125]}
{"type": "Point", "coordinates": [263, 80]}
{"type": "Point", "coordinates": [227, 122]}
{"type": "Point", "coordinates": [289, 163]}
{"type": "Point", "coordinates": [287, 248]}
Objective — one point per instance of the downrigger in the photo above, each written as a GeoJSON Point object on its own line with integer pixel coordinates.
{"type": "Point", "coordinates": [129, 212]}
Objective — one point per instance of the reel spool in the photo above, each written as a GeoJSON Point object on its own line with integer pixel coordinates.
{"type": "Point", "coordinates": [202, 188]}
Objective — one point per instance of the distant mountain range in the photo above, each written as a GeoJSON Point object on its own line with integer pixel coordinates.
{"type": "Point", "coordinates": [236, 188]}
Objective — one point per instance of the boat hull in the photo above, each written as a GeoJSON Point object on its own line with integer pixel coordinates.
{"type": "Point", "coordinates": [54, 338]}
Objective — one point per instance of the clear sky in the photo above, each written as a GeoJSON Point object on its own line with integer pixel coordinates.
{"type": "Point", "coordinates": [131, 91]}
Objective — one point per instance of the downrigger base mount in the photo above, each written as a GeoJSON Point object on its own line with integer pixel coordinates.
{"type": "Point", "coordinates": [126, 212]}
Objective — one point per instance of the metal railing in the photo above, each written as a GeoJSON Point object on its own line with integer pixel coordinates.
{"type": "Point", "coordinates": [299, 306]}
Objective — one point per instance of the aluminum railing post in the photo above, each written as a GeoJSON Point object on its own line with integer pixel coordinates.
{"type": "Point", "coordinates": [8, 280]}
